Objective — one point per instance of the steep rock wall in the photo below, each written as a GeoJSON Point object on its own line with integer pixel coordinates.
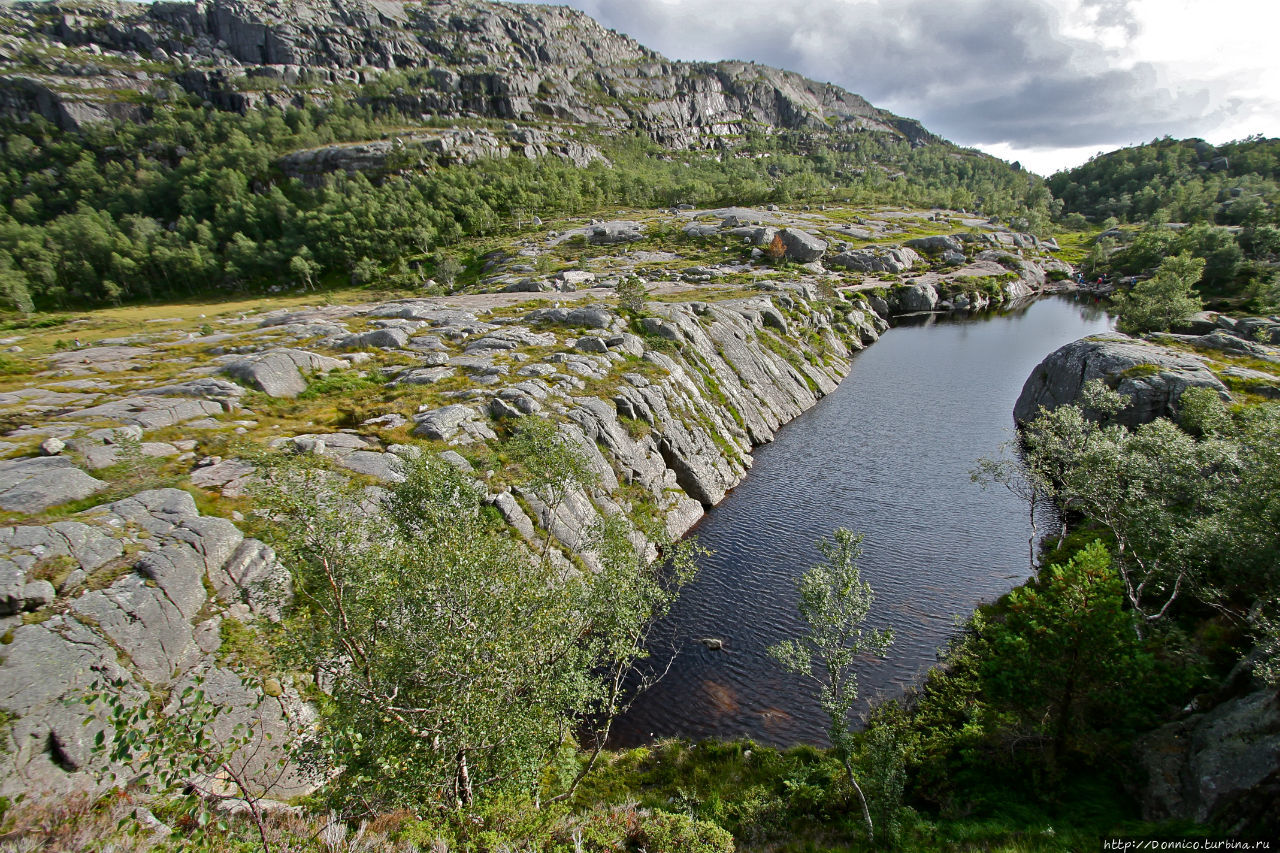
{"type": "Point", "coordinates": [145, 593]}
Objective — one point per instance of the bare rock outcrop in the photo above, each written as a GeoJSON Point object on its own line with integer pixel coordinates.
{"type": "Point", "coordinates": [1220, 766]}
{"type": "Point", "coordinates": [39, 482]}
{"type": "Point", "coordinates": [280, 372]}
{"type": "Point", "coordinates": [127, 608]}
{"type": "Point", "coordinates": [1151, 376]}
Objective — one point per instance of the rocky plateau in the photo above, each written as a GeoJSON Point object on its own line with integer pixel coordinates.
{"type": "Point", "coordinates": [128, 476]}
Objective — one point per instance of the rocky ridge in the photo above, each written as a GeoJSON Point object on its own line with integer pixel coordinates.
{"type": "Point", "coordinates": [667, 407]}
{"type": "Point", "coordinates": [1154, 372]}
{"type": "Point", "coordinates": [76, 62]}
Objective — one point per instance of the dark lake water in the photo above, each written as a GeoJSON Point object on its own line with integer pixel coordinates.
{"type": "Point", "coordinates": [888, 454]}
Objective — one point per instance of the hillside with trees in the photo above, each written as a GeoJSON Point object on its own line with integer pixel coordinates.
{"type": "Point", "coordinates": [1177, 180]}
{"type": "Point", "coordinates": [1215, 204]}
{"type": "Point", "coordinates": [149, 154]}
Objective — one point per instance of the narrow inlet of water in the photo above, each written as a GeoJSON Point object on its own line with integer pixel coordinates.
{"type": "Point", "coordinates": [888, 454]}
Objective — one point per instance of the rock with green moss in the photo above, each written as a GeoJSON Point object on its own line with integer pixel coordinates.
{"type": "Point", "coordinates": [1150, 376]}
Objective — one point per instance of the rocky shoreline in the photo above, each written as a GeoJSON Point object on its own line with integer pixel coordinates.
{"type": "Point", "coordinates": [148, 590]}
{"type": "Point", "coordinates": [1218, 761]}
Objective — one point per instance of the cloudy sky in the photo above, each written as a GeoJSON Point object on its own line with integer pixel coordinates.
{"type": "Point", "coordinates": [1046, 82]}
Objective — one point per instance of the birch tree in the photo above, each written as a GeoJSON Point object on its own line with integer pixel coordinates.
{"type": "Point", "coordinates": [834, 604]}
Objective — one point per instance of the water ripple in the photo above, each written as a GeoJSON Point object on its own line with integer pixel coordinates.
{"type": "Point", "coordinates": [887, 454]}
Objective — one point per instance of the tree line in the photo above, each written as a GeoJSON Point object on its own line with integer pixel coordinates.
{"type": "Point", "coordinates": [193, 200]}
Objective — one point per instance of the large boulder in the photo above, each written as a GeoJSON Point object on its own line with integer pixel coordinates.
{"type": "Point", "coordinates": [585, 317]}
{"type": "Point", "coordinates": [219, 391]}
{"type": "Point", "coordinates": [617, 231]}
{"type": "Point", "coordinates": [1261, 329]}
{"type": "Point", "coordinates": [446, 422]}
{"type": "Point", "coordinates": [279, 372]}
{"type": "Point", "coordinates": [910, 298]}
{"type": "Point", "coordinates": [895, 259]}
{"type": "Point", "coordinates": [528, 285]}
{"type": "Point", "coordinates": [393, 338]}
{"type": "Point", "coordinates": [936, 245]}
{"type": "Point", "coordinates": [1151, 376]}
{"type": "Point", "coordinates": [39, 482]}
{"type": "Point", "coordinates": [150, 412]}
{"type": "Point", "coordinates": [1222, 766]}
{"type": "Point", "coordinates": [700, 229]}
{"type": "Point", "coordinates": [802, 247]}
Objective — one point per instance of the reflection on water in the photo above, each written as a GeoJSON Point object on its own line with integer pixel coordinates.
{"type": "Point", "coordinates": [888, 454]}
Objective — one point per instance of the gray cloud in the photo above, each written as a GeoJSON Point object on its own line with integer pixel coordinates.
{"type": "Point", "coordinates": [979, 72]}
{"type": "Point", "coordinates": [1114, 13]}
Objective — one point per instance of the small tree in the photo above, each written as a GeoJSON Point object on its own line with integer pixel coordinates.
{"type": "Point", "coordinates": [364, 271]}
{"type": "Point", "coordinates": [183, 746]}
{"type": "Point", "coordinates": [15, 288]}
{"type": "Point", "coordinates": [1009, 471]}
{"type": "Point", "coordinates": [456, 664]}
{"type": "Point", "coordinates": [631, 293]}
{"type": "Point", "coordinates": [304, 269]}
{"type": "Point", "coordinates": [1266, 629]}
{"type": "Point", "coordinates": [834, 602]}
{"type": "Point", "coordinates": [448, 268]}
{"type": "Point", "coordinates": [1156, 489]}
{"type": "Point", "coordinates": [1162, 301]}
{"type": "Point", "coordinates": [1061, 642]}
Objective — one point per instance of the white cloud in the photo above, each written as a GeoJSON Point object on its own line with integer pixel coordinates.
{"type": "Point", "coordinates": [1048, 82]}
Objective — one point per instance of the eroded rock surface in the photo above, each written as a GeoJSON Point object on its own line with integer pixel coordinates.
{"type": "Point", "coordinates": [1151, 376]}
{"type": "Point", "coordinates": [129, 612]}
{"type": "Point", "coordinates": [30, 485]}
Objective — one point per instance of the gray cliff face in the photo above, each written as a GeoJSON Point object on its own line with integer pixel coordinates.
{"type": "Point", "coordinates": [141, 591]}
{"type": "Point", "coordinates": [1220, 766]}
{"type": "Point", "coordinates": [446, 147]}
{"type": "Point", "coordinates": [507, 61]}
{"type": "Point", "coordinates": [1151, 376]}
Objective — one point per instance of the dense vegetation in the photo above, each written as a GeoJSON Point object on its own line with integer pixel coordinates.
{"type": "Point", "coordinates": [193, 200]}
{"type": "Point", "coordinates": [1165, 579]}
{"type": "Point", "coordinates": [1218, 205]}
{"type": "Point", "coordinates": [1177, 180]}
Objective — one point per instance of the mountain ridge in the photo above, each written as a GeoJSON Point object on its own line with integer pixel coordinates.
{"type": "Point", "coordinates": [78, 62]}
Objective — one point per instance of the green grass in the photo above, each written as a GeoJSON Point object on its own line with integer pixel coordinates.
{"type": "Point", "coordinates": [1139, 371]}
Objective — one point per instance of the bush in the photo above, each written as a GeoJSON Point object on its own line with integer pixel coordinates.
{"type": "Point", "coordinates": [338, 383]}
{"type": "Point", "coordinates": [663, 831]}
{"type": "Point", "coordinates": [1201, 412]}
{"type": "Point", "coordinates": [631, 294]}
{"type": "Point", "coordinates": [448, 268]}
{"type": "Point", "coordinates": [1162, 301]}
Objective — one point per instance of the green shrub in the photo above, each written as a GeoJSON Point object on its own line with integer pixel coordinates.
{"type": "Point", "coordinates": [663, 831]}
{"type": "Point", "coordinates": [1162, 301]}
{"type": "Point", "coordinates": [14, 367]}
{"type": "Point", "coordinates": [339, 383]}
